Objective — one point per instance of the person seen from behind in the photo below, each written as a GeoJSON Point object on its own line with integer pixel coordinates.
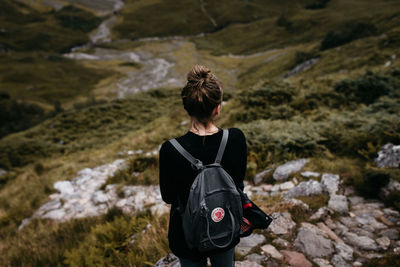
{"type": "Point", "coordinates": [202, 99]}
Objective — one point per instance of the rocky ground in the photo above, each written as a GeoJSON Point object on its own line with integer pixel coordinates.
{"type": "Point", "coordinates": [347, 232]}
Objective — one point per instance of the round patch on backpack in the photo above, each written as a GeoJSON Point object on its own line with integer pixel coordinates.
{"type": "Point", "coordinates": [217, 214]}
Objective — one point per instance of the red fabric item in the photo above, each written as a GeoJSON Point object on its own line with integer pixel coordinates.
{"type": "Point", "coordinates": [247, 205]}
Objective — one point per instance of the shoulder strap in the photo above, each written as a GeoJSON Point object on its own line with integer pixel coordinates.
{"type": "Point", "coordinates": [195, 162]}
{"type": "Point", "coordinates": [222, 146]}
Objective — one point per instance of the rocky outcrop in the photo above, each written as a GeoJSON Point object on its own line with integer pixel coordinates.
{"type": "Point", "coordinates": [388, 156]}
{"type": "Point", "coordinates": [282, 172]}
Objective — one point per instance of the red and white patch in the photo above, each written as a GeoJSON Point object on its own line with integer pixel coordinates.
{"type": "Point", "coordinates": [217, 214]}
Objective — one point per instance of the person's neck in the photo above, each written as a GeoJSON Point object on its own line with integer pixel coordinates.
{"type": "Point", "coordinates": [199, 129]}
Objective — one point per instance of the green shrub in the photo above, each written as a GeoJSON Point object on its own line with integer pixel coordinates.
{"type": "Point", "coordinates": [348, 32]}
{"type": "Point", "coordinates": [365, 89]}
{"type": "Point", "coordinates": [372, 182]}
{"type": "Point", "coordinates": [77, 19]}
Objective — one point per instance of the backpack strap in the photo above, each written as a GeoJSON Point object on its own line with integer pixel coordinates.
{"type": "Point", "coordinates": [195, 162]}
{"type": "Point", "coordinates": [222, 146]}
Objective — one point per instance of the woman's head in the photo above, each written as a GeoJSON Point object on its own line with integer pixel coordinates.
{"type": "Point", "coordinates": [202, 94]}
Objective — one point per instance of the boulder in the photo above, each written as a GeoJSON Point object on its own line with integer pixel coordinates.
{"type": "Point", "coordinates": [308, 174]}
{"type": "Point", "coordinates": [388, 156]}
{"type": "Point", "coordinates": [256, 258]}
{"type": "Point", "coordinates": [330, 183]}
{"type": "Point", "coordinates": [247, 263]}
{"type": "Point", "coordinates": [281, 242]}
{"type": "Point", "coordinates": [282, 172]}
{"type": "Point", "coordinates": [247, 243]}
{"type": "Point", "coordinates": [168, 261]}
{"type": "Point", "coordinates": [322, 262]}
{"type": "Point", "coordinates": [286, 186]}
{"type": "Point", "coordinates": [338, 203]}
{"type": "Point", "coordinates": [338, 261]}
{"type": "Point", "coordinates": [307, 188]}
{"type": "Point", "coordinates": [344, 251]}
{"type": "Point", "coordinates": [393, 234]}
{"type": "Point", "coordinates": [64, 187]}
{"type": "Point", "coordinates": [295, 259]}
{"type": "Point", "coordinates": [282, 224]}
{"type": "Point", "coordinates": [362, 242]}
{"type": "Point", "coordinates": [369, 220]}
{"type": "Point", "coordinates": [313, 244]}
{"type": "Point", "coordinates": [383, 242]}
{"type": "Point", "coordinates": [321, 214]}
{"type": "Point", "coordinates": [271, 251]}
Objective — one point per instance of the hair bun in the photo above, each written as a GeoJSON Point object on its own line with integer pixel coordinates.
{"type": "Point", "coordinates": [198, 74]}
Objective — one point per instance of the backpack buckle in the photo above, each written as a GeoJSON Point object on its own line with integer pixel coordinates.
{"type": "Point", "coordinates": [197, 165]}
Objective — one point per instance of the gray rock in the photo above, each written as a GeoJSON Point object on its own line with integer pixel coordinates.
{"type": "Point", "coordinates": [64, 187]}
{"type": "Point", "coordinates": [272, 251]}
{"type": "Point", "coordinates": [2, 172]}
{"type": "Point", "coordinates": [330, 183]}
{"type": "Point", "coordinates": [312, 244]}
{"type": "Point", "coordinates": [362, 242]}
{"type": "Point", "coordinates": [168, 261]}
{"type": "Point", "coordinates": [258, 178]}
{"type": "Point", "coordinates": [281, 242]}
{"type": "Point", "coordinates": [307, 188]}
{"type": "Point", "coordinates": [383, 242]}
{"type": "Point", "coordinates": [322, 262]}
{"type": "Point", "coordinates": [369, 220]}
{"type": "Point", "coordinates": [286, 186]}
{"type": "Point", "coordinates": [338, 261]}
{"type": "Point", "coordinates": [247, 243]}
{"type": "Point", "coordinates": [393, 234]}
{"type": "Point", "coordinates": [282, 172]}
{"type": "Point", "coordinates": [344, 251]}
{"type": "Point", "coordinates": [282, 224]}
{"type": "Point", "coordinates": [349, 222]}
{"type": "Point", "coordinates": [388, 156]}
{"type": "Point", "coordinates": [256, 258]}
{"type": "Point", "coordinates": [308, 174]}
{"type": "Point", "coordinates": [363, 232]}
{"type": "Point", "coordinates": [297, 202]}
{"type": "Point", "coordinates": [338, 203]}
{"type": "Point", "coordinates": [247, 263]}
{"type": "Point", "coordinates": [100, 197]}
{"type": "Point", "coordinates": [354, 200]}
{"type": "Point", "coordinates": [321, 214]}
{"type": "Point", "coordinates": [302, 67]}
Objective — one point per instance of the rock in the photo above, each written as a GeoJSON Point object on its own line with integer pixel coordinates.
{"type": "Point", "coordinates": [310, 174]}
{"type": "Point", "coordinates": [258, 178]}
{"type": "Point", "coordinates": [247, 263]}
{"type": "Point", "coordinates": [393, 234]}
{"type": "Point", "coordinates": [296, 202]}
{"type": "Point", "coordinates": [267, 187]}
{"type": "Point", "coordinates": [322, 262]}
{"type": "Point", "coordinates": [344, 251]}
{"type": "Point", "coordinates": [168, 261]}
{"type": "Point", "coordinates": [282, 172]}
{"type": "Point", "coordinates": [286, 186]}
{"type": "Point", "coordinates": [330, 183]}
{"type": "Point", "coordinates": [388, 156]}
{"type": "Point", "coordinates": [338, 203]}
{"type": "Point", "coordinates": [328, 232]}
{"type": "Point", "coordinates": [313, 228]}
{"type": "Point", "coordinates": [362, 242]}
{"type": "Point", "coordinates": [321, 214]}
{"type": "Point", "coordinates": [302, 67]}
{"type": "Point", "coordinates": [282, 224]}
{"type": "Point", "coordinates": [369, 220]}
{"type": "Point", "coordinates": [272, 251]}
{"type": "Point", "coordinates": [383, 242]}
{"type": "Point", "coordinates": [2, 172]}
{"type": "Point", "coordinates": [338, 261]}
{"type": "Point", "coordinates": [256, 258]}
{"type": "Point", "coordinates": [247, 243]}
{"type": "Point", "coordinates": [349, 222]}
{"type": "Point", "coordinates": [307, 188]}
{"type": "Point", "coordinates": [313, 244]}
{"type": "Point", "coordinates": [64, 187]}
{"type": "Point", "coordinates": [363, 232]}
{"type": "Point", "coordinates": [295, 259]}
{"type": "Point", "coordinates": [281, 242]}
{"type": "Point", "coordinates": [354, 200]}
{"type": "Point", "coordinates": [100, 197]}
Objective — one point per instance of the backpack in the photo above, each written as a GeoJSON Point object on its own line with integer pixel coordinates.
{"type": "Point", "coordinates": [213, 213]}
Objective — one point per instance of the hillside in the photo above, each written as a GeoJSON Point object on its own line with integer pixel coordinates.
{"type": "Point", "coordinates": [303, 79]}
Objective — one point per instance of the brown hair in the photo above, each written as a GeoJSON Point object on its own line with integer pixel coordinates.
{"type": "Point", "coordinates": [201, 94]}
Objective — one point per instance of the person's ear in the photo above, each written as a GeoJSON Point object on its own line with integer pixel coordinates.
{"type": "Point", "coordinates": [218, 109]}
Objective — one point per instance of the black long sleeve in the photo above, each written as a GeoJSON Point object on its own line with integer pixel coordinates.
{"type": "Point", "coordinates": [176, 174]}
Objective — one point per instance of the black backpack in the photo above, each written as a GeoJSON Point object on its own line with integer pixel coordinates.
{"type": "Point", "coordinates": [213, 213]}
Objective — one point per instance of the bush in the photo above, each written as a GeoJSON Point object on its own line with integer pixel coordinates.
{"type": "Point", "coordinates": [77, 19]}
{"type": "Point", "coordinates": [365, 89]}
{"type": "Point", "coordinates": [316, 4]}
{"type": "Point", "coordinates": [348, 32]}
{"type": "Point", "coordinates": [372, 182]}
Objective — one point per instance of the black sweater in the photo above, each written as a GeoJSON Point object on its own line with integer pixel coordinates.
{"type": "Point", "coordinates": [177, 175]}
